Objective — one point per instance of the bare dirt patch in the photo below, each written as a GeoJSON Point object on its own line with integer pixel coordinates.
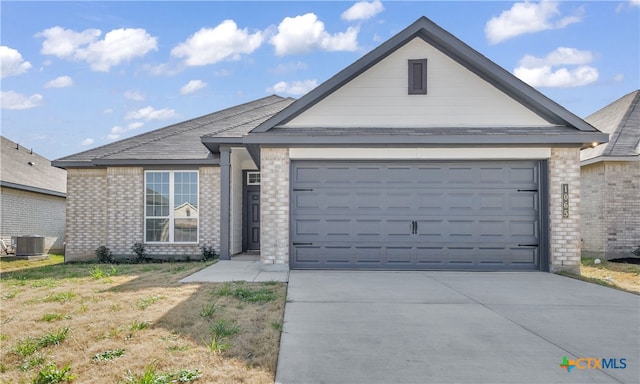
{"type": "Point", "coordinates": [141, 309]}
{"type": "Point", "coordinates": [622, 275]}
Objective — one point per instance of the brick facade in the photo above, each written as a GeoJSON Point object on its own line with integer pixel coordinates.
{"type": "Point", "coordinates": [274, 206]}
{"type": "Point", "coordinates": [564, 168]}
{"type": "Point", "coordinates": [86, 212]}
{"type": "Point", "coordinates": [106, 207]}
{"type": "Point", "coordinates": [28, 213]}
{"type": "Point", "coordinates": [611, 208]}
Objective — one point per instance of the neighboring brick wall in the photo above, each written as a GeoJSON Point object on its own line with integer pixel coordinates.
{"type": "Point", "coordinates": [125, 208]}
{"type": "Point", "coordinates": [274, 205]}
{"type": "Point", "coordinates": [564, 168]}
{"type": "Point", "coordinates": [28, 213]}
{"type": "Point", "coordinates": [106, 207]}
{"type": "Point", "coordinates": [594, 195]}
{"type": "Point", "coordinates": [622, 206]}
{"type": "Point", "coordinates": [86, 212]}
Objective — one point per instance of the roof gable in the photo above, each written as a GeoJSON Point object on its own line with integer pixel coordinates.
{"type": "Point", "coordinates": [621, 120]}
{"type": "Point", "coordinates": [455, 49]}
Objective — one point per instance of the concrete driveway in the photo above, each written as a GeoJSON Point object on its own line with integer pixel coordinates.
{"type": "Point", "coordinates": [455, 327]}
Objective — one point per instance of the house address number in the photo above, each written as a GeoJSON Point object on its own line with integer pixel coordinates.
{"type": "Point", "coordinates": [565, 200]}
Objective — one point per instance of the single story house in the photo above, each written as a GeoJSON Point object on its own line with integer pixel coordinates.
{"type": "Point", "coordinates": [610, 177]}
{"type": "Point", "coordinates": [422, 154]}
{"type": "Point", "coordinates": [32, 197]}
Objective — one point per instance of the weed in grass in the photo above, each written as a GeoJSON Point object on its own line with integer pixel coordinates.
{"type": "Point", "coordinates": [52, 317]}
{"type": "Point", "coordinates": [53, 337]}
{"type": "Point", "coordinates": [33, 361]}
{"type": "Point", "coordinates": [26, 347]}
{"type": "Point", "coordinates": [108, 355]}
{"type": "Point", "coordinates": [139, 325]}
{"type": "Point", "coordinates": [97, 273]}
{"type": "Point", "coordinates": [152, 376]}
{"type": "Point", "coordinates": [115, 307]}
{"type": "Point", "coordinates": [150, 268]}
{"type": "Point", "coordinates": [277, 325]}
{"type": "Point", "coordinates": [208, 310]}
{"type": "Point", "coordinates": [10, 294]}
{"type": "Point", "coordinates": [52, 375]}
{"type": "Point", "coordinates": [83, 308]}
{"type": "Point", "coordinates": [3, 337]}
{"type": "Point", "coordinates": [220, 332]}
{"type": "Point", "coordinates": [3, 368]}
{"type": "Point", "coordinates": [178, 348]}
{"type": "Point", "coordinates": [60, 297]}
{"type": "Point", "coordinates": [144, 303]}
{"type": "Point", "coordinates": [260, 293]}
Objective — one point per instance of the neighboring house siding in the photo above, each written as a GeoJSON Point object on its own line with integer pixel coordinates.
{"type": "Point", "coordinates": [455, 96]}
{"type": "Point", "coordinates": [564, 168]}
{"type": "Point", "coordinates": [27, 213]}
{"type": "Point", "coordinates": [86, 212]}
{"type": "Point", "coordinates": [274, 206]}
{"type": "Point", "coordinates": [611, 208]}
{"type": "Point", "coordinates": [106, 207]}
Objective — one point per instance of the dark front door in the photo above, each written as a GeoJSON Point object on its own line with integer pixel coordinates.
{"type": "Point", "coordinates": [252, 219]}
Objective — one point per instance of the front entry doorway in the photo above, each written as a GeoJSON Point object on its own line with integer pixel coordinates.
{"type": "Point", "coordinates": [251, 217]}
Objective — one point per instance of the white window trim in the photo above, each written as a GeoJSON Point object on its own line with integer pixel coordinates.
{"type": "Point", "coordinates": [171, 211]}
{"type": "Point", "coordinates": [253, 173]}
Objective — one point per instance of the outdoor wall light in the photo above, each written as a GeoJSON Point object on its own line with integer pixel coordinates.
{"type": "Point", "coordinates": [594, 144]}
{"type": "Point", "coordinates": [31, 163]}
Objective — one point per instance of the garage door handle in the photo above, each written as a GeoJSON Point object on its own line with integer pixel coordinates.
{"type": "Point", "coordinates": [298, 244]}
{"type": "Point", "coordinates": [414, 227]}
{"type": "Point", "coordinates": [528, 245]}
{"type": "Point", "coordinates": [302, 189]}
{"type": "Point", "coordinates": [527, 190]}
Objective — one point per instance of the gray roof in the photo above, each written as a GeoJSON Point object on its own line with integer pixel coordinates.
{"type": "Point", "coordinates": [621, 121]}
{"type": "Point", "coordinates": [180, 143]}
{"type": "Point", "coordinates": [20, 168]}
{"type": "Point", "coordinates": [458, 51]}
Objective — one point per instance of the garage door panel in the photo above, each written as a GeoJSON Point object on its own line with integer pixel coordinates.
{"type": "Point", "coordinates": [437, 215]}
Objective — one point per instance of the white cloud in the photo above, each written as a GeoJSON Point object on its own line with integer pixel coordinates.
{"type": "Point", "coordinates": [192, 86]}
{"type": "Point", "coordinates": [294, 88]}
{"type": "Point", "coordinates": [118, 46]}
{"type": "Point", "coordinates": [619, 78]}
{"type": "Point", "coordinates": [117, 131]}
{"type": "Point", "coordinates": [222, 73]}
{"type": "Point", "coordinates": [363, 10]}
{"type": "Point", "coordinates": [289, 67]}
{"type": "Point", "coordinates": [17, 101]}
{"type": "Point", "coordinates": [149, 113]}
{"type": "Point", "coordinates": [553, 70]}
{"type": "Point", "coordinates": [86, 142]}
{"type": "Point", "coordinates": [60, 82]}
{"type": "Point", "coordinates": [527, 17]}
{"type": "Point", "coordinates": [212, 45]}
{"type": "Point", "coordinates": [11, 62]}
{"type": "Point", "coordinates": [304, 33]}
{"type": "Point", "coordinates": [107, 111]}
{"type": "Point", "coordinates": [134, 95]}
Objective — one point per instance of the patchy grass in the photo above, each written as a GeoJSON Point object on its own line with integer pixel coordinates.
{"type": "Point", "coordinates": [622, 276]}
{"type": "Point", "coordinates": [66, 314]}
{"type": "Point", "coordinates": [10, 263]}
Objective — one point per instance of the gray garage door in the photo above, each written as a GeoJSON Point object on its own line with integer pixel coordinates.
{"type": "Point", "coordinates": [420, 215]}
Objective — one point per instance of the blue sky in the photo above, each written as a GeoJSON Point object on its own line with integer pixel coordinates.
{"type": "Point", "coordinates": [76, 75]}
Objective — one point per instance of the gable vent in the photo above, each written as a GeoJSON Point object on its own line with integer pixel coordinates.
{"type": "Point", "coordinates": [418, 77]}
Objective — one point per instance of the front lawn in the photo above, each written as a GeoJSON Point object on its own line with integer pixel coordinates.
{"type": "Point", "coordinates": [104, 323]}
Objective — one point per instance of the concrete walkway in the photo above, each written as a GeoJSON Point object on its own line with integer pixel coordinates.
{"type": "Point", "coordinates": [243, 269]}
{"type": "Point", "coordinates": [454, 327]}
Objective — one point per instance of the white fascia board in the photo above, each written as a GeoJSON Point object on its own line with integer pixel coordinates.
{"type": "Point", "coordinates": [494, 153]}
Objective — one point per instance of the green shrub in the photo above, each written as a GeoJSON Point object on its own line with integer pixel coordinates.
{"type": "Point", "coordinates": [140, 252]}
{"type": "Point", "coordinates": [208, 253]}
{"type": "Point", "coordinates": [104, 255]}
